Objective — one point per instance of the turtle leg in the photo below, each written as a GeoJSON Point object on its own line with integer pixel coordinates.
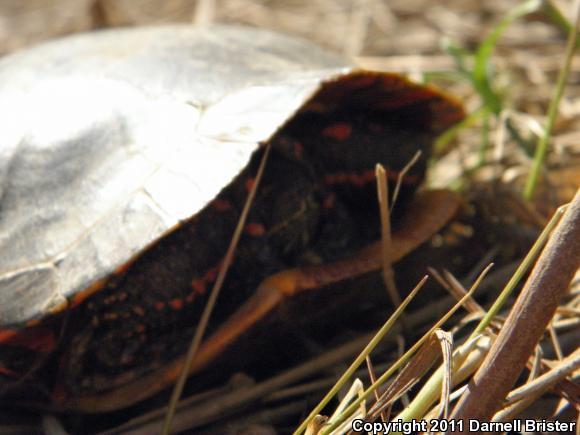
{"type": "Point", "coordinates": [426, 215]}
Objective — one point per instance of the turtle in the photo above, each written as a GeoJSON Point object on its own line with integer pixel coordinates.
{"type": "Point", "coordinates": [126, 157]}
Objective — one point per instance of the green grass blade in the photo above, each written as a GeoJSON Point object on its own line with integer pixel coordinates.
{"type": "Point", "coordinates": [460, 56]}
{"type": "Point", "coordinates": [360, 359]}
{"type": "Point", "coordinates": [542, 148]}
{"type": "Point", "coordinates": [481, 69]}
{"type": "Point", "coordinates": [429, 393]}
{"type": "Point", "coordinates": [554, 14]}
{"type": "Point", "coordinates": [404, 358]}
{"type": "Point", "coordinates": [448, 135]}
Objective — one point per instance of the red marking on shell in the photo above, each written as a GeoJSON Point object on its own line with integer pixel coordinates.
{"type": "Point", "coordinates": [6, 334]}
{"type": "Point", "coordinates": [250, 183]}
{"type": "Point", "coordinates": [356, 179]}
{"type": "Point", "coordinates": [31, 323]}
{"type": "Point", "coordinates": [221, 204]}
{"type": "Point", "coordinates": [59, 393]}
{"type": "Point", "coordinates": [255, 229]}
{"type": "Point", "coordinates": [329, 201]}
{"type": "Point", "coordinates": [82, 295]}
{"type": "Point", "coordinates": [211, 274]}
{"type": "Point", "coordinates": [38, 339]}
{"type": "Point", "coordinates": [139, 310]}
{"type": "Point", "coordinates": [298, 150]}
{"type": "Point", "coordinates": [123, 268]}
{"type": "Point", "coordinates": [338, 131]}
{"type": "Point", "coordinates": [363, 81]}
{"type": "Point", "coordinates": [7, 372]}
{"type": "Point", "coordinates": [198, 286]}
{"type": "Point", "coordinates": [140, 328]}
{"type": "Point", "coordinates": [365, 177]}
{"type": "Point", "coordinates": [176, 304]}
{"type": "Point", "coordinates": [159, 306]}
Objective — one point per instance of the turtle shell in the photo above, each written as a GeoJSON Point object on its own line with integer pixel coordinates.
{"type": "Point", "coordinates": [111, 139]}
{"type": "Point", "coordinates": [109, 132]}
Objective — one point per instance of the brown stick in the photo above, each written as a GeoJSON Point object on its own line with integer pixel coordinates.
{"type": "Point", "coordinates": [527, 321]}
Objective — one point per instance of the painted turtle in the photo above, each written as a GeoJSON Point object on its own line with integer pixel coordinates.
{"type": "Point", "coordinates": [125, 159]}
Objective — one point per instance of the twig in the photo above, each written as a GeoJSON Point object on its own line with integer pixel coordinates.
{"type": "Point", "coordinates": [206, 314]}
{"type": "Point", "coordinates": [527, 321]}
{"type": "Point", "coordinates": [544, 382]}
{"type": "Point", "coordinates": [388, 274]}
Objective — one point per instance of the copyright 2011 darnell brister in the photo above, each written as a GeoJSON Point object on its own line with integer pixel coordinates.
{"type": "Point", "coordinates": [475, 426]}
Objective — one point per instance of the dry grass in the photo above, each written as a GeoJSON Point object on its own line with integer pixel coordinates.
{"type": "Point", "coordinates": [413, 37]}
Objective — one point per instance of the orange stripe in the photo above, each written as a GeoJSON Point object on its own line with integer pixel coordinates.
{"type": "Point", "coordinates": [298, 150]}
{"type": "Point", "coordinates": [40, 339]}
{"type": "Point", "coordinates": [7, 334]}
{"type": "Point", "coordinates": [255, 229]}
{"type": "Point", "coordinates": [360, 179]}
{"type": "Point", "coordinates": [339, 131]}
{"type": "Point", "coordinates": [221, 205]}
{"type": "Point", "coordinates": [83, 295]}
{"type": "Point", "coordinates": [250, 184]}
{"type": "Point", "coordinates": [328, 202]}
{"type": "Point", "coordinates": [176, 304]}
{"type": "Point", "coordinates": [7, 372]}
